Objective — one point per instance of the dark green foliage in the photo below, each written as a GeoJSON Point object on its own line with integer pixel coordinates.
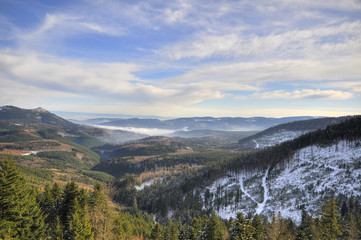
{"type": "Point", "coordinates": [67, 210]}
{"type": "Point", "coordinates": [128, 224]}
{"type": "Point", "coordinates": [50, 202]}
{"type": "Point", "coordinates": [17, 136]}
{"type": "Point", "coordinates": [243, 228]}
{"type": "Point", "coordinates": [32, 172]}
{"type": "Point", "coordinates": [20, 215]}
{"type": "Point", "coordinates": [118, 167]}
{"type": "Point", "coordinates": [259, 229]}
{"type": "Point", "coordinates": [157, 232]}
{"type": "Point", "coordinates": [213, 228]}
{"type": "Point", "coordinates": [86, 141]}
{"type": "Point", "coordinates": [329, 225]}
{"type": "Point", "coordinates": [97, 175]}
{"type": "Point", "coordinates": [90, 156]}
{"type": "Point", "coordinates": [157, 149]}
{"type": "Point", "coordinates": [79, 226]}
{"type": "Point", "coordinates": [48, 133]}
{"type": "Point", "coordinates": [33, 145]}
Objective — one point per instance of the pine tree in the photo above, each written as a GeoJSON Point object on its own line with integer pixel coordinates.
{"type": "Point", "coordinates": [213, 228]}
{"type": "Point", "coordinates": [329, 225]}
{"type": "Point", "coordinates": [278, 230]}
{"type": "Point", "coordinates": [157, 232]}
{"type": "Point", "coordinates": [242, 228]}
{"type": "Point", "coordinates": [100, 214]}
{"type": "Point", "coordinates": [349, 228]}
{"type": "Point", "coordinates": [20, 214]}
{"type": "Point", "coordinates": [79, 225]}
{"type": "Point", "coordinates": [68, 207]}
{"type": "Point", "coordinates": [195, 229]}
{"type": "Point", "coordinates": [306, 228]}
{"type": "Point", "coordinates": [259, 229]}
{"type": "Point", "coordinates": [50, 204]}
{"type": "Point", "coordinates": [171, 231]}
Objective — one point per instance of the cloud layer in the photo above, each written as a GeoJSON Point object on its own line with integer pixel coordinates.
{"type": "Point", "coordinates": [185, 56]}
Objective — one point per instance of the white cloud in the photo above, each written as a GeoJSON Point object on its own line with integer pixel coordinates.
{"type": "Point", "coordinates": [251, 75]}
{"type": "Point", "coordinates": [315, 42]}
{"type": "Point", "coordinates": [97, 80]}
{"type": "Point", "coordinates": [348, 5]}
{"type": "Point", "coordinates": [303, 94]}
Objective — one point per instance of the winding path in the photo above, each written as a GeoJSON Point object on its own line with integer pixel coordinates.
{"type": "Point", "coordinates": [260, 205]}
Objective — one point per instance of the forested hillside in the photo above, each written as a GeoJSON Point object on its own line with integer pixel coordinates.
{"type": "Point", "coordinates": [188, 196]}
{"type": "Point", "coordinates": [68, 212]}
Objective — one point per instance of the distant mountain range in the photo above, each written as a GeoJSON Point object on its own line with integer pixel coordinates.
{"type": "Point", "coordinates": [197, 123]}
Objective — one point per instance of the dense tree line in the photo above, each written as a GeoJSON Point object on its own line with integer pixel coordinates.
{"type": "Point", "coordinates": [68, 212]}
{"type": "Point", "coordinates": [62, 212]}
{"type": "Point", "coordinates": [121, 166]}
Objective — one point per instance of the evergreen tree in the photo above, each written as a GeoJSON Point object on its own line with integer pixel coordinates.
{"type": "Point", "coordinates": [157, 232]}
{"type": "Point", "coordinates": [50, 204]}
{"type": "Point", "coordinates": [195, 229]}
{"type": "Point", "coordinates": [278, 230]}
{"type": "Point", "coordinates": [329, 224]}
{"type": "Point", "coordinates": [100, 214]}
{"type": "Point", "coordinates": [242, 228]}
{"type": "Point", "coordinates": [349, 228]}
{"type": "Point", "coordinates": [259, 229]}
{"type": "Point", "coordinates": [213, 229]}
{"type": "Point", "coordinates": [171, 231]}
{"type": "Point", "coordinates": [68, 207]}
{"type": "Point", "coordinates": [20, 214]}
{"type": "Point", "coordinates": [306, 227]}
{"type": "Point", "coordinates": [80, 226]}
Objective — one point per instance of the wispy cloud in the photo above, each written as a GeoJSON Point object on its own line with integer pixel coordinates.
{"type": "Point", "coordinates": [320, 41]}
{"type": "Point", "coordinates": [304, 94]}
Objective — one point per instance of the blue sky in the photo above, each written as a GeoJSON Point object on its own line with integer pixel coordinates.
{"type": "Point", "coordinates": [182, 58]}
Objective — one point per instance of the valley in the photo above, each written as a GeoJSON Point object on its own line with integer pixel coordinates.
{"type": "Point", "coordinates": [290, 168]}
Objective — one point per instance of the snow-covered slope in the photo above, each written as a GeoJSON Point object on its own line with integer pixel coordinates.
{"type": "Point", "coordinates": [312, 175]}
{"type": "Point", "coordinates": [285, 132]}
{"type": "Point", "coordinates": [276, 138]}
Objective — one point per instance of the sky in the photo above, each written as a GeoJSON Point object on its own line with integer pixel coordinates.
{"type": "Point", "coordinates": [181, 58]}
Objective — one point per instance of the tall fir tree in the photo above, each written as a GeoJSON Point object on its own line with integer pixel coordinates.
{"type": "Point", "coordinates": [329, 222]}
{"type": "Point", "coordinates": [67, 210]}
{"type": "Point", "coordinates": [157, 232]}
{"type": "Point", "coordinates": [306, 228]}
{"type": "Point", "coordinates": [213, 228]}
{"type": "Point", "coordinates": [100, 214]}
{"type": "Point", "coordinates": [278, 229]}
{"type": "Point", "coordinates": [20, 214]}
{"type": "Point", "coordinates": [80, 226]}
{"type": "Point", "coordinates": [259, 229]}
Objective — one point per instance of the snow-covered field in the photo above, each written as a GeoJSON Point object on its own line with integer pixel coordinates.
{"type": "Point", "coordinates": [311, 176]}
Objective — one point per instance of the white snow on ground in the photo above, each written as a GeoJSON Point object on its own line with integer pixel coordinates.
{"type": "Point", "coordinates": [261, 205]}
{"type": "Point", "coordinates": [312, 175]}
{"type": "Point", "coordinates": [145, 184]}
{"type": "Point", "coordinates": [240, 179]}
{"type": "Point", "coordinates": [257, 144]}
{"type": "Point", "coordinates": [29, 153]}
{"type": "Point", "coordinates": [276, 138]}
